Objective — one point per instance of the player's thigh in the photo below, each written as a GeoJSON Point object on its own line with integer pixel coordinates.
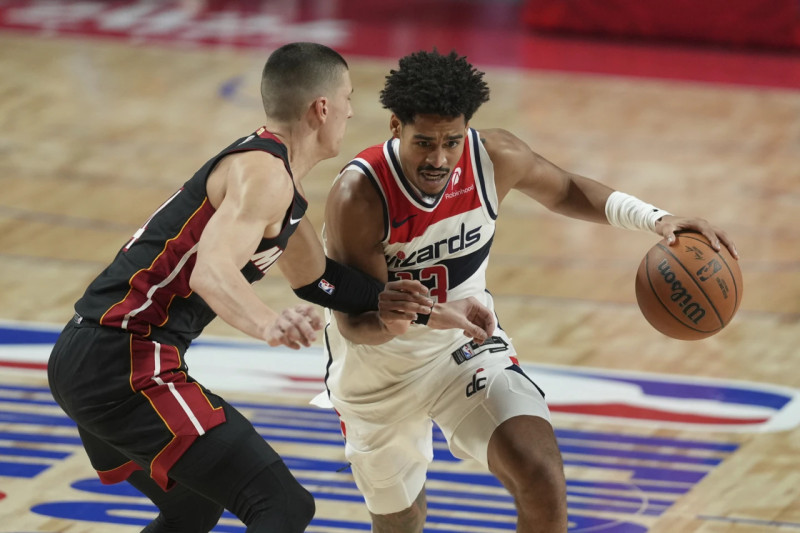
{"type": "Point", "coordinates": [389, 462]}
{"type": "Point", "coordinates": [224, 458]}
{"type": "Point", "coordinates": [477, 404]}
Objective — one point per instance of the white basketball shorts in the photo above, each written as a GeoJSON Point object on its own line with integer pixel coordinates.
{"type": "Point", "coordinates": [468, 393]}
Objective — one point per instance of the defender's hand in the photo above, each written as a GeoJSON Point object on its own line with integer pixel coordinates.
{"type": "Point", "coordinates": [294, 327]}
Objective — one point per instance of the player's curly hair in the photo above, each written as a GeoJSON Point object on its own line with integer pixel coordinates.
{"type": "Point", "coordinates": [435, 84]}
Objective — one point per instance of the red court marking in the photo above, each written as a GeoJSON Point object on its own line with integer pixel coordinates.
{"type": "Point", "coordinates": [24, 364]}
{"type": "Point", "coordinates": [619, 410]}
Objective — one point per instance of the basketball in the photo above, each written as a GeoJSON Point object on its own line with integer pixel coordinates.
{"type": "Point", "coordinates": [688, 291]}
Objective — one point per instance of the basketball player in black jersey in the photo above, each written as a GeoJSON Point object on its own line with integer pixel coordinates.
{"type": "Point", "coordinates": [118, 368]}
{"type": "Point", "coordinates": [501, 420]}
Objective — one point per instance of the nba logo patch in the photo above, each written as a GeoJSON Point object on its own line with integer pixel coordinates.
{"type": "Point", "coordinates": [325, 286]}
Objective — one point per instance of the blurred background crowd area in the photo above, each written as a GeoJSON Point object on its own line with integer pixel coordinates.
{"type": "Point", "coordinates": [753, 42]}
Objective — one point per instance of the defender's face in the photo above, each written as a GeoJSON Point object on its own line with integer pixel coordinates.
{"type": "Point", "coordinates": [430, 147]}
{"type": "Point", "coordinates": [339, 110]}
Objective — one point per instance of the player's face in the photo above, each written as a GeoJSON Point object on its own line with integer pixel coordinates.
{"type": "Point", "coordinates": [430, 147]}
{"type": "Point", "coordinates": [339, 110]}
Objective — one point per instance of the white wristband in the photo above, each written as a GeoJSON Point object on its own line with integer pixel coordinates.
{"type": "Point", "coordinates": [628, 212]}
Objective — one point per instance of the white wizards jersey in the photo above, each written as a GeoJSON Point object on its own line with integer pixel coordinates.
{"type": "Point", "coordinates": [444, 244]}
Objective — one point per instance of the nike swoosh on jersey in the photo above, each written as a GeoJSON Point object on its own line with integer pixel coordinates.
{"type": "Point", "coordinates": [397, 223]}
{"type": "Point", "coordinates": [293, 221]}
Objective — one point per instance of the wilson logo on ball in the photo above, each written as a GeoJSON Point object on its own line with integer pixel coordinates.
{"type": "Point", "coordinates": [680, 295]}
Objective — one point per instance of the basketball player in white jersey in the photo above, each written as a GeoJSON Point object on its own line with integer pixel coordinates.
{"type": "Point", "coordinates": [422, 206]}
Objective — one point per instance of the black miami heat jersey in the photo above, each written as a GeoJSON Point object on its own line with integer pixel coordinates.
{"type": "Point", "coordinates": [443, 242]}
{"type": "Point", "coordinates": [145, 290]}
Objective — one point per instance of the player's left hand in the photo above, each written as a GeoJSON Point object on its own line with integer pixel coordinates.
{"type": "Point", "coordinates": [294, 327]}
{"type": "Point", "coordinates": [469, 315]}
{"type": "Point", "coordinates": [669, 224]}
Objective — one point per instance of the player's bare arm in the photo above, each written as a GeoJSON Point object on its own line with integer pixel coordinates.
{"type": "Point", "coordinates": [251, 192]}
{"type": "Point", "coordinates": [518, 167]}
{"type": "Point", "coordinates": [353, 233]}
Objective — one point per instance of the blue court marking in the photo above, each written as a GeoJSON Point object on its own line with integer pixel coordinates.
{"type": "Point", "coordinates": [645, 441]}
{"type": "Point", "coordinates": [27, 401]}
{"type": "Point", "coordinates": [646, 472]}
{"type": "Point", "coordinates": [33, 437]}
{"type": "Point", "coordinates": [330, 428]}
{"type": "Point", "coordinates": [114, 513]}
{"type": "Point", "coordinates": [23, 388]}
{"type": "Point", "coordinates": [16, 417]}
{"type": "Point", "coordinates": [443, 495]}
{"type": "Point", "coordinates": [23, 470]}
{"type": "Point", "coordinates": [652, 507]}
{"type": "Point", "coordinates": [12, 335]}
{"type": "Point", "coordinates": [619, 497]}
{"type": "Point", "coordinates": [330, 425]}
{"type": "Point", "coordinates": [434, 518]}
{"type": "Point", "coordinates": [94, 486]}
{"type": "Point", "coordinates": [437, 499]}
{"type": "Point", "coordinates": [442, 454]}
{"type": "Point", "coordinates": [29, 452]}
{"type": "Point", "coordinates": [596, 451]}
{"type": "Point", "coordinates": [109, 513]}
{"type": "Point", "coordinates": [483, 479]}
{"type": "Point", "coordinates": [672, 389]}
{"type": "Point", "coordinates": [638, 487]}
{"type": "Point", "coordinates": [330, 422]}
{"type": "Point", "coordinates": [317, 412]}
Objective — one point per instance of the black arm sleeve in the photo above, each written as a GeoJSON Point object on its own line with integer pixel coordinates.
{"type": "Point", "coordinates": [342, 288]}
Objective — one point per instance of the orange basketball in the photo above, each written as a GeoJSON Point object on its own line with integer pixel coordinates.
{"type": "Point", "coordinates": [688, 291]}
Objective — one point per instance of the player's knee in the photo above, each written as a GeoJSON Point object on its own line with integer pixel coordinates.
{"type": "Point", "coordinates": [298, 504]}
{"type": "Point", "coordinates": [274, 501]}
{"type": "Point", "coordinates": [208, 517]}
{"type": "Point", "coordinates": [301, 507]}
{"type": "Point", "coordinates": [526, 465]}
{"type": "Point", "coordinates": [408, 521]}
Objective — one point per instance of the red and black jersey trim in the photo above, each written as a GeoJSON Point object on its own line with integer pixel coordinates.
{"type": "Point", "coordinates": [158, 373]}
{"type": "Point", "coordinates": [152, 289]}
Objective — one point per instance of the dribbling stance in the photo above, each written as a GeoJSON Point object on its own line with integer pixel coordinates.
{"type": "Point", "coordinates": [422, 206]}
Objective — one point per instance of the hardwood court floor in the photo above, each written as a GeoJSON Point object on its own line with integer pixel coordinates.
{"type": "Point", "coordinates": [94, 135]}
